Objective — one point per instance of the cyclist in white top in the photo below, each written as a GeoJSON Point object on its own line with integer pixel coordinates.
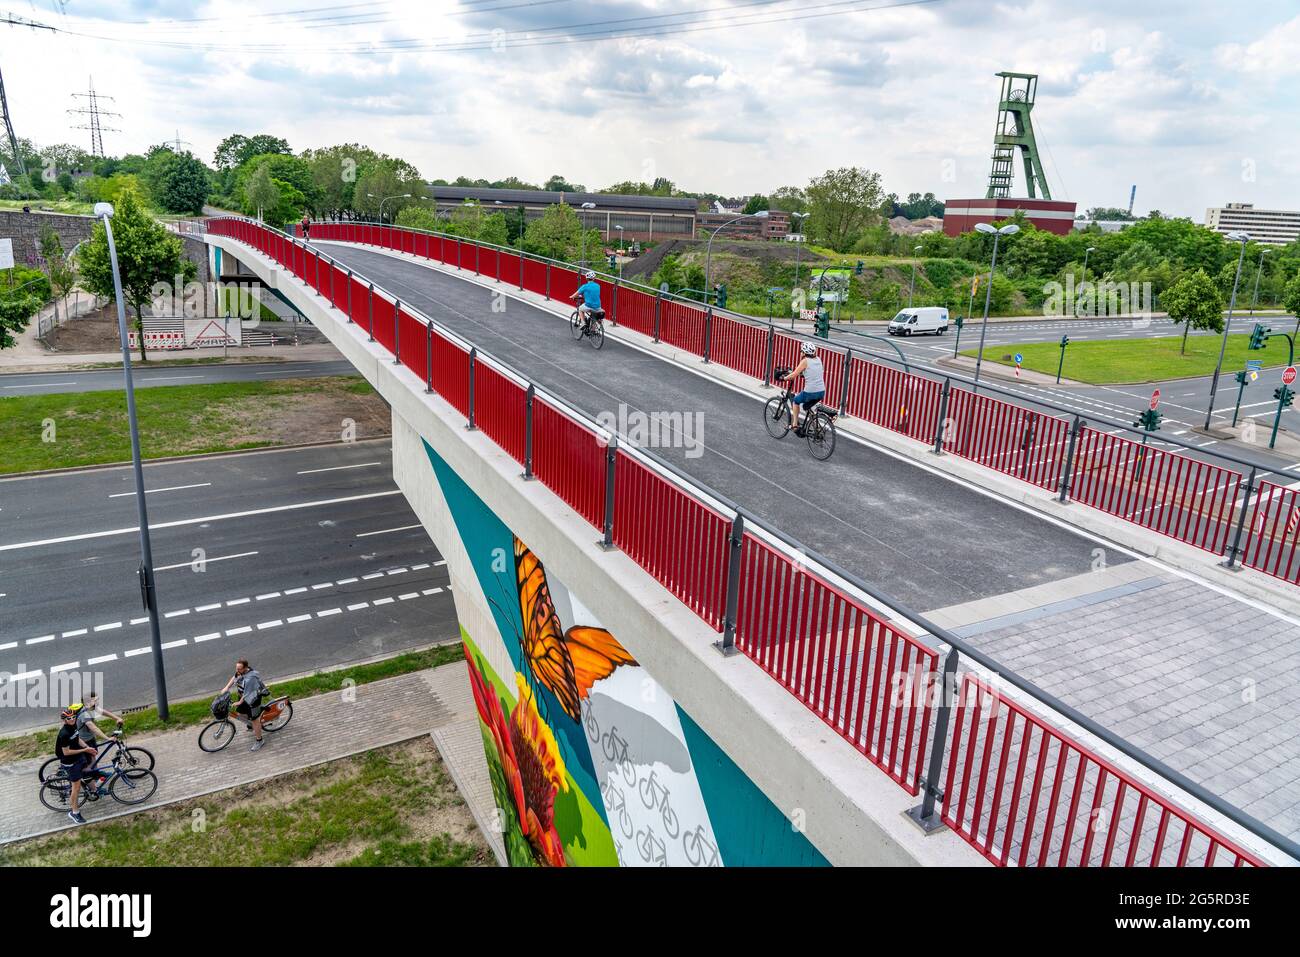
{"type": "Point", "coordinates": [814, 384]}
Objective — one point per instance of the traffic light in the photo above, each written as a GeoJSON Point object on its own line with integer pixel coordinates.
{"type": "Point", "coordinates": [1284, 395]}
{"type": "Point", "coordinates": [960, 322]}
{"type": "Point", "coordinates": [720, 294]}
{"type": "Point", "coordinates": [1149, 419]}
{"type": "Point", "coordinates": [1065, 341]}
{"type": "Point", "coordinates": [1241, 377]}
{"type": "Point", "coordinates": [857, 270]}
{"type": "Point", "coordinates": [822, 324]}
{"type": "Point", "coordinates": [613, 262]}
{"type": "Point", "coordinates": [1258, 335]}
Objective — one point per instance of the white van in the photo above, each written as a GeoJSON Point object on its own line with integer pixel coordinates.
{"type": "Point", "coordinates": [919, 319]}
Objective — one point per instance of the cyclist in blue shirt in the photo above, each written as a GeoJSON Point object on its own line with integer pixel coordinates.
{"type": "Point", "coordinates": [589, 293]}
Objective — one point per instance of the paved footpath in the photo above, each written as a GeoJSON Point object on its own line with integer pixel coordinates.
{"type": "Point", "coordinates": [324, 728]}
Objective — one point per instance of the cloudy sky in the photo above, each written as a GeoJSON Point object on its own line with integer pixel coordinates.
{"type": "Point", "coordinates": [1194, 102]}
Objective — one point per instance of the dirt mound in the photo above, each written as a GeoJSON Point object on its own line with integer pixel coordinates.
{"type": "Point", "coordinates": [93, 332]}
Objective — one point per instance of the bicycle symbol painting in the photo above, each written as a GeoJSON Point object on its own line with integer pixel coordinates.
{"type": "Point", "coordinates": [700, 851]}
{"type": "Point", "coordinates": [651, 849]}
{"type": "Point", "coordinates": [651, 790]}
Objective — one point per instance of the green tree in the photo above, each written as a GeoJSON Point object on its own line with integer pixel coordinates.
{"type": "Point", "coordinates": [557, 234]}
{"type": "Point", "coordinates": [177, 182]}
{"type": "Point", "coordinates": [236, 150]}
{"type": "Point", "coordinates": [147, 254]}
{"type": "Point", "coordinates": [757, 203]}
{"type": "Point", "coordinates": [1291, 296]}
{"type": "Point", "coordinates": [383, 180]}
{"type": "Point", "coordinates": [558, 184]}
{"type": "Point", "coordinates": [293, 170]}
{"type": "Point", "coordinates": [261, 195]}
{"type": "Point", "coordinates": [1194, 301]}
{"type": "Point", "coordinates": [791, 199]}
{"type": "Point", "coordinates": [842, 203]}
{"type": "Point", "coordinates": [59, 269]}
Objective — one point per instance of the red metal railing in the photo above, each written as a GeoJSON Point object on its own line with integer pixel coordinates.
{"type": "Point", "coordinates": [737, 345]}
{"type": "Point", "coordinates": [636, 310]}
{"type": "Point", "coordinates": [674, 536]}
{"type": "Point", "coordinates": [1017, 790]}
{"type": "Point", "coordinates": [1023, 793]}
{"type": "Point", "coordinates": [570, 460]}
{"type": "Point", "coordinates": [866, 678]}
{"type": "Point", "coordinates": [1009, 438]}
{"type": "Point", "coordinates": [901, 401]}
{"type": "Point", "coordinates": [1185, 498]}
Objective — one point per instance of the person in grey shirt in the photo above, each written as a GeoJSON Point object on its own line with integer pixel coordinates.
{"type": "Point", "coordinates": [814, 384]}
{"type": "Point", "coordinates": [251, 694]}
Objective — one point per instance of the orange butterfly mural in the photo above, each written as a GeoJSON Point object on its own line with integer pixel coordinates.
{"type": "Point", "coordinates": [567, 662]}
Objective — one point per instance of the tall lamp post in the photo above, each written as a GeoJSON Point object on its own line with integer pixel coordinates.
{"type": "Point", "coordinates": [1264, 251]}
{"type": "Point", "coordinates": [708, 248]}
{"type": "Point", "coordinates": [1086, 253]}
{"type": "Point", "coordinates": [620, 251]}
{"type": "Point", "coordinates": [583, 220]}
{"type": "Point", "coordinates": [912, 288]}
{"type": "Point", "coordinates": [798, 253]}
{"type": "Point", "coordinates": [147, 592]}
{"type": "Point", "coordinates": [1007, 230]}
{"type": "Point", "coordinates": [1243, 238]}
{"type": "Point", "coordinates": [386, 199]}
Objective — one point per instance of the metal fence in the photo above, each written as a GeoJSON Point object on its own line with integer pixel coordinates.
{"type": "Point", "coordinates": [815, 628]}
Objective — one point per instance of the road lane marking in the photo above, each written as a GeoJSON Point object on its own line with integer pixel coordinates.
{"type": "Point", "coordinates": [137, 651]}
{"type": "Point", "coordinates": [262, 626]}
{"type": "Point", "coordinates": [37, 385]}
{"type": "Point", "coordinates": [385, 531]}
{"type": "Point", "coordinates": [208, 637]}
{"type": "Point", "coordinates": [101, 659]}
{"type": "Point", "coordinates": [297, 618]}
{"type": "Point", "coordinates": [74, 634]}
{"type": "Point", "coordinates": [358, 606]}
{"type": "Point", "coordinates": [408, 596]}
{"type": "Point", "coordinates": [322, 585]}
{"type": "Point", "coordinates": [243, 630]}
{"type": "Point", "coordinates": [206, 561]}
{"type": "Point", "coordinates": [170, 488]}
{"type": "Point", "coordinates": [175, 644]}
{"type": "Point", "coordinates": [383, 601]}
{"type": "Point", "coordinates": [109, 627]}
{"type": "Point", "coordinates": [372, 575]}
{"type": "Point", "coordinates": [180, 523]}
{"type": "Point", "coordinates": [39, 641]}
{"type": "Point", "coordinates": [270, 594]}
{"type": "Point", "coordinates": [347, 581]}
{"type": "Point", "coordinates": [294, 591]}
{"type": "Point", "coordinates": [215, 604]}
{"type": "Point", "coordinates": [238, 601]}
{"type": "Point", "coordinates": [339, 468]}
{"type": "Point", "coordinates": [68, 666]}
{"type": "Point", "coordinates": [177, 614]}
{"type": "Point", "coordinates": [329, 611]}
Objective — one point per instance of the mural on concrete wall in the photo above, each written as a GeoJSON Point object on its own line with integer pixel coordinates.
{"type": "Point", "coordinates": [591, 761]}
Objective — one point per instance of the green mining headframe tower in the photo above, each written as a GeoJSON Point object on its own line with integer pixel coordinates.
{"type": "Point", "coordinates": [1014, 130]}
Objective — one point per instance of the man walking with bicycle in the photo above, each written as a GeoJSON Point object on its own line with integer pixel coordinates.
{"type": "Point", "coordinates": [251, 693]}
{"type": "Point", "coordinates": [814, 384]}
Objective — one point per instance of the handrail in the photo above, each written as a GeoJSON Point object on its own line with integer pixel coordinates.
{"type": "Point", "coordinates": [812, 558]}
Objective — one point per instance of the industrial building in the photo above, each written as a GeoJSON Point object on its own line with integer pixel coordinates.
{"type": "Point", "coordinates": [644, 218]}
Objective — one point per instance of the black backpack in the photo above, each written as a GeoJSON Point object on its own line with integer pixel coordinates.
{"type": "Point", "coordinates": [221, 705]}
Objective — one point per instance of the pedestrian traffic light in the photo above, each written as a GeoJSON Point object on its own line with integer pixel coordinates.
{"type": "Point", "coordinates": [613, 263]}
{"type": "Point", "coordinates": [857, 270]}
{"type": "Point", "coordinates": [960, 322]}
{"type": "Point", "coordinates": [1241, 377]}
{"type": "Point", "coordinates": [822, 324]}
{"type": "Point", "coordinates": [1258, 335]}
{"type": "Point", "coordinates": [1149, 419]}
{"type": "Point", "coordinates": [1284, 395]}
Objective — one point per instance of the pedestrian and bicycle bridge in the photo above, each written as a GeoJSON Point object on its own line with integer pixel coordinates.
{"type": "Point", "coordinates": [1097, 673]}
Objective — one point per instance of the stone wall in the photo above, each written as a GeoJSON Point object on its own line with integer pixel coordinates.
{"type": "Point", "coordinates": [25, 230]}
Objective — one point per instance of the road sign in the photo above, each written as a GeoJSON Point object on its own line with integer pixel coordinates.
{"type": "Point", "coordinates": [1255, 364]}
{"type": "Point", "coordinates": [1155, 399]}
{"type": "Point", "coordinates": [1254, 374]}
{"type": "Point", "coordinates": [6, 254]}
{"type": "Point", "coordinates": [1019, 358]}
{"type": "Point", "coordinates": [1288, 375]}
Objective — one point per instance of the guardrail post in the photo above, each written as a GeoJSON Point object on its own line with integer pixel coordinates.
{"type": "Point", "coordinates": [613, 308]}
{"type": "Point", "coordinates": [1069, 460]}
{"type": "Point", "coordinates": [943, 416]}
{"type": "Point", "coordinates": [473, 361]}
{"type": "Point", "coordinates": [350, 319]}
{"type": "Point", "coordinates": [478, 253]}
{"type": "Point", "coordinates": [611, 456]}
{"type": "Point", "coordinates": [1234, 550]}
{"type": "Point", "coordinates": [498, 265]}
{"type": "Point", "coordinates": [844, 385]}
{"type": "Point", "coordinates": [659, 299]}
{"type": "Point", "coordinates": [372, 312]}
{"type": "Point", "coordinates": [528, 432]}
{"type": "Point", "coordinates": [923, 815]}
{"type": "Point", "coordinates": [428, 358]}
{"type": "Point", "coordinates": [397, 332]}
{"type": "Point", "coordinates": [769, 368]}
{"type": "Point", "coordinates": [548, 280]}
{"type": "Point", "coordinates": [735, 546]}
{"type": "Point", "coordinates": [708, 331]}
{"type": "Point", "coordinates": [318, 292]}
{"type": "Point", "coordinates": [521, 270]}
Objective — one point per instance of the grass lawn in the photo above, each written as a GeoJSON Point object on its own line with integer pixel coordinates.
{"type": "Point", "coordinates": [394, 806]}
{"type": "Point", "coordinates": [193, 713]}
{"type": "Point", "coordinates": [1110, 361]}
{"type": "Point", "coordinates": [89, 428]}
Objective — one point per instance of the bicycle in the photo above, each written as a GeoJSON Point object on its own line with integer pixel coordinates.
{"type": "Point", "coordinates": [818, 423]}
{"type": "Point", "coordinates": [130, 785]}
{"type": "Point", "coordinates": [218, 733]}
{"type": "Point", "coordinates": [593, 327]}
{"type": "Point", "coordinates": [131, 756]}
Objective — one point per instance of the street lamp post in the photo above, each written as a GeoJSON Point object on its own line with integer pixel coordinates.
{"type": "Point", "coordinates": [583, 220]}
{"type": "Point", "coordinates": [1243, 238]}
{"type": "Point", "coordinates": [912, 288]}
{"type": "Point", "coordinates": [105, 212]}
{"type": "Point", "coordinates": [708, 248]}
{"type": "Point", "coordinates": [1258, 269]}
{"type": "Point", "coordinates": [620, 251]}
{"type": "Point", "coordinates": [798, 253]}
{"type": "Point", "coordinates": [386, 199]}
{"type": "Point", "coordinates": [1086, 252]}
{"type": "Point", "coordinates": [1008, 230]}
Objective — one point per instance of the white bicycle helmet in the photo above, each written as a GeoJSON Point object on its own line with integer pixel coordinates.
{"type": "Point", "coordinates": [808, 349]}
{"type": "Point", "coordinates": [589, 274]}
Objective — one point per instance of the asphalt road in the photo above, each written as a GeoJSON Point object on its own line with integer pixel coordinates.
{"type": "Point", "coordinates": [296, 559]}
{"type": "Point", "coordinates": [925, 539]}
{"type": "Point", "coordinates": [100, 380]}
